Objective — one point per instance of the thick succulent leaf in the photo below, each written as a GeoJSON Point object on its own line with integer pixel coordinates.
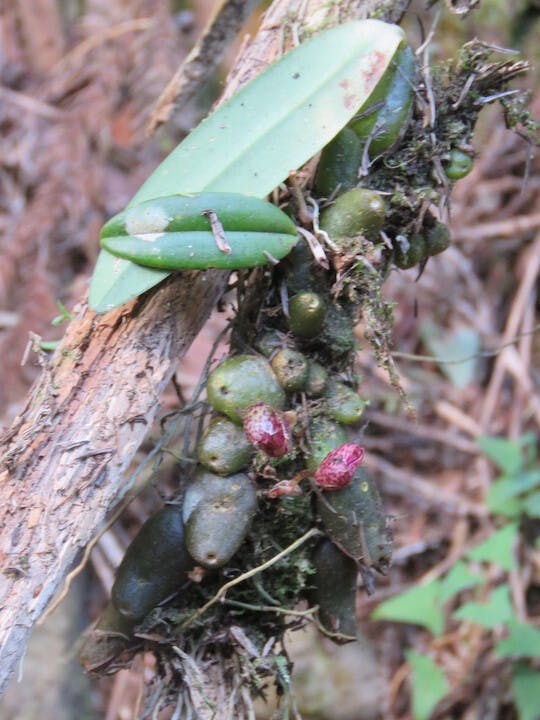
{"type": "Point", "coordinates": [272, 126]}
{"type": "Point", "coordinates": [197, 250]}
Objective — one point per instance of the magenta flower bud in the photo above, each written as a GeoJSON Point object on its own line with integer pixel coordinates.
{"type": "Point", "coordinates": [267, 429]}
{"type": "Point", "coordinates": [338, 467]}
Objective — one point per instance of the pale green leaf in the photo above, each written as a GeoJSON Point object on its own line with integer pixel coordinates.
{"type": "Point", "coordinates": [510, 496]}
{"type": "Point", "coordinates": [531, 505]}
{"type": "Point", "coordinates": [498, 548]}
{"type": "Point", "coordinates": [526, 690]}
{"type": "Point", "coordinates": [115, 281]}
{"type": "Point", "coordinates": [429, 684]}
{"type": "Point", "coordinates": [505, 453]}
{"type": "Point", "coordinates": [523, 641]}
{"type": "Point", "coordinates": [501, 497]}
{"type": "Point", "coordinates": [497, 610]}
{"type": "Point", "coordinates": [458, 578]}
{"type": "Point", "coordinates": [454, 346]}
{"type": "Point", "coordinates": [420, 605]}
{"type": "Point", "coordinates": [272, 126]}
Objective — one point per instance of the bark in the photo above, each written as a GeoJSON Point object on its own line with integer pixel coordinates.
{"type": "Point", "coordinates": [65, 456]}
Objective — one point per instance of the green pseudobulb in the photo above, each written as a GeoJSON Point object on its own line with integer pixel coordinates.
{"type": "Point", "coordinates": [291, 369]}
{"type": "Point", "coordinates": [242, 381]}
{"type": "Point", "coordinates": [217, 512]}
{"type": "Point", "coordinates": [357, 212]}
{"type": "Point", "coordinates": [307, 312]}
{"type": "Point", "coordinates": [224, 449]}
{"type": "Point", "coordinates": [459, 165]}
{"type": "Point", "coordinates": [343, 403]}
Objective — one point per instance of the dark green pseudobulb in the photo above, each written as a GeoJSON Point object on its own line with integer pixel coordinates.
{"type": "Point", "coordinates": [325, 435]}
{"type": "Point", "coordinates": [357, 212]}
{"type": "Point", "coordinates": [438, 239]}
{"type": "Point", "coordinates": [432, 241]}
{"type": "Point", "coordinates": [339, 163]}
{"type": "Point", "coordinates": [334, 590]}
{"type": "Point", "coordinates": [242, 381]}
{"type": "Point", "coordinates": [217, 512]}
{"type": "Point", "coordinates": [337, 334]}
{"type": "Point", "coordinates": [291, 369]}
{"type": "Point", "coordinates": [409, 252]}
{"type": "Point", "coordinates": [155, 565]}
{"type": "Point", "coordinates": [224, 449]}
{"type": "Point", "coordinates": [307, 311]}
{"type": "Point", "coordinates": [354, 520]}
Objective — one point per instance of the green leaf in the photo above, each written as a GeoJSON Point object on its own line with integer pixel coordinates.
{"type": "Point", "coordinates": [272, 126]}
{"type": "Point", "coordinates": [523, 641]}
{"type": "Point", "coordinates": [508, 495]}
{"type": "Point", "coordinates": [518, 483]}
{"type": "Point", "coordinates": [503, 452]}
{"type": "Point", "coordinates": [458, 578]}
{"type": "Point", "coordinates": [501, 499]}
{"type": "Point", "coordinates": [526, 690]}
{"type": "Point", "coordinates": [497, 610]}
{"type": "Point", "coordinates": [115, 281]}
{"type": "Point", "coordinates": [531, 505]}
{"type": "Point", "coordinates": [453, 345]}
{"type": "Point", "coordinates": [420, 605]}
{"type": "Point", "coordinates": [429, 684]}
{"type": "Point", "coordinates": [498, 548]}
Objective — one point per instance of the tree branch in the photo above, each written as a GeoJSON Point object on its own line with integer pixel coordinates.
{"type": "Point", "coordinates": [64, 457]}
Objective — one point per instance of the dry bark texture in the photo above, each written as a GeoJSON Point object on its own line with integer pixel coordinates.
{"type": "Point", "coordinates": [65, 455]}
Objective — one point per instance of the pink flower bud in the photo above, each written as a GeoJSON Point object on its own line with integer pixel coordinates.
{"type": "Point", "coordinates": [267, 429]}
{"type": "Point", "coordinates": [338, 467]}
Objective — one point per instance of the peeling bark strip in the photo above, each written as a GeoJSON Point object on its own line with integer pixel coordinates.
{"type": "Point", "coordinates": [84, 419]}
